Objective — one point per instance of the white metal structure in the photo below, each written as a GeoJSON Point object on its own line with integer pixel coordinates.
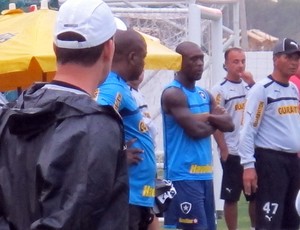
{"type": "Point", "coordinates": [168, 19]}
{"type": "Point", "coordinates": [213, 24]}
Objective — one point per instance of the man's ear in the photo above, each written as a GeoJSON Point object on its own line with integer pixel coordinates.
{"type": "Point", "coordinates": [108, 50]}
{"type": "Point", "coordinates": [275, 57]}
{"type": "Point", "coordinates": [132, 58]}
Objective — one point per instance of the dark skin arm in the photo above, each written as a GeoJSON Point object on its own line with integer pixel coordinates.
{"type": "Point", "coordinates": [133, 154]}
{"type": "Point", "coordinates": [219, 118]}
{"type": "Point", "coordinates": [174, 102]}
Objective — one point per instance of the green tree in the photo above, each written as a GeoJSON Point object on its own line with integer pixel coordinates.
{"type": "Point", "coordinates": [4, 4]}
{"type": "Point", "coordinates": [279, 19]}
{"type": "Point", "coordinates": [53, 4]}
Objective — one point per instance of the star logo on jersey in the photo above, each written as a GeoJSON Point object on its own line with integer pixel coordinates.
{"type": "Point", "coordinates": [202, 94]}
{"type": "Point", "coordinates": [185, 207]}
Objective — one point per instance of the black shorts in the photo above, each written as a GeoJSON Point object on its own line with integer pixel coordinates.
{"type": "Point", "coordinates": [278, 176]}
{"type": "Point", "coordinates": [139, 217]}
{"type": "Point", "coordinates": [232, 180]}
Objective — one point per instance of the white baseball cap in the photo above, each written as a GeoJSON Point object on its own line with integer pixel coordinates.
{"type": "Point", "coordinates": [92, 19]}
{"type": "Point", "coordinates": [120, 24]}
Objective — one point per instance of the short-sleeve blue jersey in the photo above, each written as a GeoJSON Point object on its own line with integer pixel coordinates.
{"type": "Point", "coordinates": [115, 92]}
{"type": "Point", "coordinates": [187, 158]}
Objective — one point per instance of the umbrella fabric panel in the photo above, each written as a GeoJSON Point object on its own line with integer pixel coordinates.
{"type": "Point", "coordinates": [26, 36]}
{"type": "Point", "coordinates": [26, 49]}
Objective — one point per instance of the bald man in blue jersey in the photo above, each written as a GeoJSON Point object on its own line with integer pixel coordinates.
{"type": "Point", "coordinates": [190, 117]}
{"type": "Point", "coordinates": [128, 64]}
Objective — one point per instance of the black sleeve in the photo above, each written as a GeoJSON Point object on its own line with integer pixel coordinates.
{"type": "Point", "coordinates": [82, 176]}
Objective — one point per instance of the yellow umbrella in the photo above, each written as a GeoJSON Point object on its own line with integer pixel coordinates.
{"type": "Point", "coordinates": [27, 53]}
{"type": "Point", "coordinates": [160, 56]}
{"type": "Point", "coordinates": [26, 48]}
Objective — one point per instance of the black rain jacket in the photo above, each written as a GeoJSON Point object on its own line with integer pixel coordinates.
{"type": "Point", "coordinates": [62, 164]}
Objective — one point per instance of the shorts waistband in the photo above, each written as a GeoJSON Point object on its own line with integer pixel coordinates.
{"type": "Point", "coordinates": [259, 150]}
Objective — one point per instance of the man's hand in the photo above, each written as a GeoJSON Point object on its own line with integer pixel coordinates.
{"type": "Point", "coordinates": [248, 78]}
{"type": "Point", "coordinates": [218, 110]}
{"type": "Point", "coordinates": [250, 181]}
{"type": "Point", "coordinates": [133, 154]}
{"type": "Point", "coordinates": [224, 154]}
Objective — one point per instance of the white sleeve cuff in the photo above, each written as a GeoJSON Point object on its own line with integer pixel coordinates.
{"type": "Point", "coordinates": [249, 165]}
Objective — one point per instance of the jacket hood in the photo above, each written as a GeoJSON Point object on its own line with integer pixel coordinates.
{"type": "Point", "coordinates": [38, 107]}
{"type": "Point", "coordinates": [3, 100]}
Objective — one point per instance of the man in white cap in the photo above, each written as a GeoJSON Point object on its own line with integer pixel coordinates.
{"type": "Point", "coordinates": [269, 142]}
{"type": "Point", "coordinates": [62, 164]}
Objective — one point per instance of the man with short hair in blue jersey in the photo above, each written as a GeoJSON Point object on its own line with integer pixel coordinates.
{"type": "Point", "coordinates": [190, 117]}
{"type": "Point", "coordinates": [127, 65]}
{"type": "Point", "coordinates": [269, 142]}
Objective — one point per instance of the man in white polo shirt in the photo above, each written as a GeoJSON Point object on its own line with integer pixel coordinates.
{"type": "Point", "coordinates": [269, 142]}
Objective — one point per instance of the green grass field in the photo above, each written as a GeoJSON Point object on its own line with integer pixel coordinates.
{"type": "Point", "coordinates": [243, 220]}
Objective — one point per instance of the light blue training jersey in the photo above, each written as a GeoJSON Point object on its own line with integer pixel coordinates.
{"type": "Point", "coordinates": [115, 92]}
{"type": "Point", "coordinates": [187, 158]}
